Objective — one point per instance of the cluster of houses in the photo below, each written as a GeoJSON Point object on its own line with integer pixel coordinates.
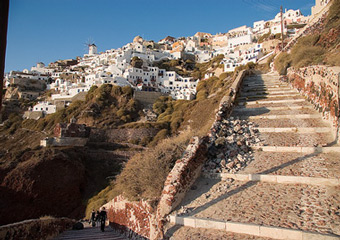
{"type": "Point", "coordinates": [239, 46]}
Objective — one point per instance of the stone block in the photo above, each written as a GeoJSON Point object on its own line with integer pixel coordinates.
{"type": "Point", "coordinates": [308, 149]}
{"type": "Point", "coordinates": [172, 218]}
{"type": "Point", "coordinates": [316, 236]}
{"type": "Point", "coordinates": [268, 148]}
{"type": "Point", "coordinates": [268, 178]}
{"type": "Point", "coordinates": [280, 233]}
{"type": "Point", "coordinates": [324, 181]}
{"type": "Point", "coordinates": [244, 228]}
{"type": "Point", "coordinates": [186, 221]}
{"type": "Point", "coordinates": [291, 234]}
{"type": "Point", "coordinates": [330, 149]}
{"type": "Point", "coordinates": [210, 224]}
{"type": "Point", "coordinates": [242, 177]}
{"type": "Point", "coordinates": [254, 177]}
{"type": "Point", "coordinates": [288, 149]}
{"type": "Point", "coordinates": [289, 179]}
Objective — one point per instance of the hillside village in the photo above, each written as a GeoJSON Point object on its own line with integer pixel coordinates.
{"type": "Point", "coordinates": [134, 64]}
{"type": "Point", "coordinates": [226, 136]}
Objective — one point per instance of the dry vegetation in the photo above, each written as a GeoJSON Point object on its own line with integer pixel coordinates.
{"type": "Point", "coordinates": [320, 47]}
{"type": "Point", "coordinates": [144, 175]}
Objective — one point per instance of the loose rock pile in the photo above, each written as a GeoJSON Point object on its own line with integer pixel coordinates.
{"type": "Point", "coordinates": [230, 145]}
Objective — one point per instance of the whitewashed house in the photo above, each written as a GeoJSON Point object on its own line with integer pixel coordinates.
{"type": "Point", "coordinates": [45, 108]}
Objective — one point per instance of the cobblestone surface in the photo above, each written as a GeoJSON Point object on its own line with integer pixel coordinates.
{"type": "Point", "coordinates": [281, 123]}
{"type": "Point", "coordinates": [309, 208]}
{"type": "Point", "coordinates": [295, 164]}
{"type": "Point", "coordinates": [265, 111]}
{"type": "Point", "coordinates": [278, 104]}
{"type": "Point", "coordinates": [296, 139]}
{"type": "Point", "coordinates": [187, 233]}
{"type": "Point", "coordinates": [293, 206]}
{"type": "Point", "coordinates": [252, 99]}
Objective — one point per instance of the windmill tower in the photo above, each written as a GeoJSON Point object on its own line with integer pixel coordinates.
{"type": "Point", "coordinates": [92, 47]}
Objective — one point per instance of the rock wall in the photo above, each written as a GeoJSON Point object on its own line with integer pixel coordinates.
{"type": "Point", "coordinates": [35, 229]}
{"type": "Point", "coordinates": [134, 219]}
{"type": "Point", "coordinates": [138, 219]}
{"type": "Point", "coordinates": [320, 85]}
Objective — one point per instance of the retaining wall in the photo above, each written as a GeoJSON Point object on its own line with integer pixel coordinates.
{"type": "Point", "coordinates": [35, 229]}
{"type": "Point", "coordinates": [320, 85]}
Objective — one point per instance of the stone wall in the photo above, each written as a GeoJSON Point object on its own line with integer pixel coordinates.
{"type": "Point", "coordinates": [134, 219]}
{"type": "Point", "coordinates": [35, 229]}
{"type": "Point", "coordinates": [320, 85]}
{"type": "Point", "coordinates": [138, 218]}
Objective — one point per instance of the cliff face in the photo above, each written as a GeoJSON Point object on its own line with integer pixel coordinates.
{"type": "Point", "coordinates": [43, 182]}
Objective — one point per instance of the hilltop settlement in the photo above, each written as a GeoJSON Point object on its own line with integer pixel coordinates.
{"type": "Point", "coordinates": [140, 64]}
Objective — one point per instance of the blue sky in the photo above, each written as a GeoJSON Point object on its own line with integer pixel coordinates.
{"type": "Point", "coordinates": [48, 30]}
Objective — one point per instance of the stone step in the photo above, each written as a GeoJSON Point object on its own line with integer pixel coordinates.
{"type": "Point", "coordinates": [264, 89]}
{"type": "Point", "coordinates": [261, 82]}
{"type": "Point", "coordinates": [244, 109]}
{"type": "Point", "coordinates": [249, 229]}
{"type": "Point", "coordinates": [243, 103]}
{"type": "Point", "coordinates": [90, 233]}
{"type": "Point", "coordinates": [175, 232]}
{"type": "Point", "coordinates": [297, 149]}
{"type": "Point", "coordinates": [297, 116]}
{"type": "Point", "coordinates": [268, 96]}
{"type": "Point", "coordinates": [266, 85]}
{"type": "Point", "coordinates": [294, 130]}
{"type": "Point", "coordinates": [265, 93]}
{"type": "Point", "coordinates": [317, 165]}
{"type": "Point", "coordinates": [275, 178]}
{"type": "Point", "coordinates": [292, 139]}
{"type": "Point", "coordinates": [298, 207]}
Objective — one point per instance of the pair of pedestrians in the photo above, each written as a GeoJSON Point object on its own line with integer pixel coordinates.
{"type": "Point", "coordinates": [99, 217]}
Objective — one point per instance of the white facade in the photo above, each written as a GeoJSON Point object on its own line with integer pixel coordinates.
{"type": "Point", "coordinates": [45, 107]}
{"type": "Point", "coordinates": [259, 26]}
{"type": "Point", "coordinates": [240, 40]}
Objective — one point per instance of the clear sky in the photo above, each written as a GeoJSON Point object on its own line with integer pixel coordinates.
{"type": "Point", "coordinates": [48, 30]}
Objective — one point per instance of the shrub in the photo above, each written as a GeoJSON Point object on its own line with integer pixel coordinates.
{"type": "Point", "coordinates": [282, 62]}
{"type": "Point", "coordinates": [144, 175]}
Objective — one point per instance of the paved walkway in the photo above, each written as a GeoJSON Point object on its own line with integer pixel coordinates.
{"type": "Point", "coordinates": [290, 147]}
{"type": "Point", "coordinates": [89, 233]}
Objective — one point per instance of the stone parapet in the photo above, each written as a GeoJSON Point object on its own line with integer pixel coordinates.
{"type": "Point", "coordinates": [320, 85]}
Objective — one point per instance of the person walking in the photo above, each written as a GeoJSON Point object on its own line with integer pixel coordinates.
{"type": "Point", "coordinates": [103, 216]}
{"type": "Point", "coordinates": [98, 217]}
{"type": "Point", "coordinates": [93, 218]}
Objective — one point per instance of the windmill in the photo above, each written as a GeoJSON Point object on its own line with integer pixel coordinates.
{"type": "Point", "coordinates": [91, 47]}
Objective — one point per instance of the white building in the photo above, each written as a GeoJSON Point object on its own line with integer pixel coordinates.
{"type": "Point", "coordinates": [319, 5]}
{"type": "Point", "coordinates": [259, 26]}
{"type": "Point", "coordinates": [45, 107]}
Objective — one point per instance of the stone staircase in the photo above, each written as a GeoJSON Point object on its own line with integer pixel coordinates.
{"type": "Point", "coordinates": [90, 233]}
{"type": "Point", "coordinates": [290, 189]}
